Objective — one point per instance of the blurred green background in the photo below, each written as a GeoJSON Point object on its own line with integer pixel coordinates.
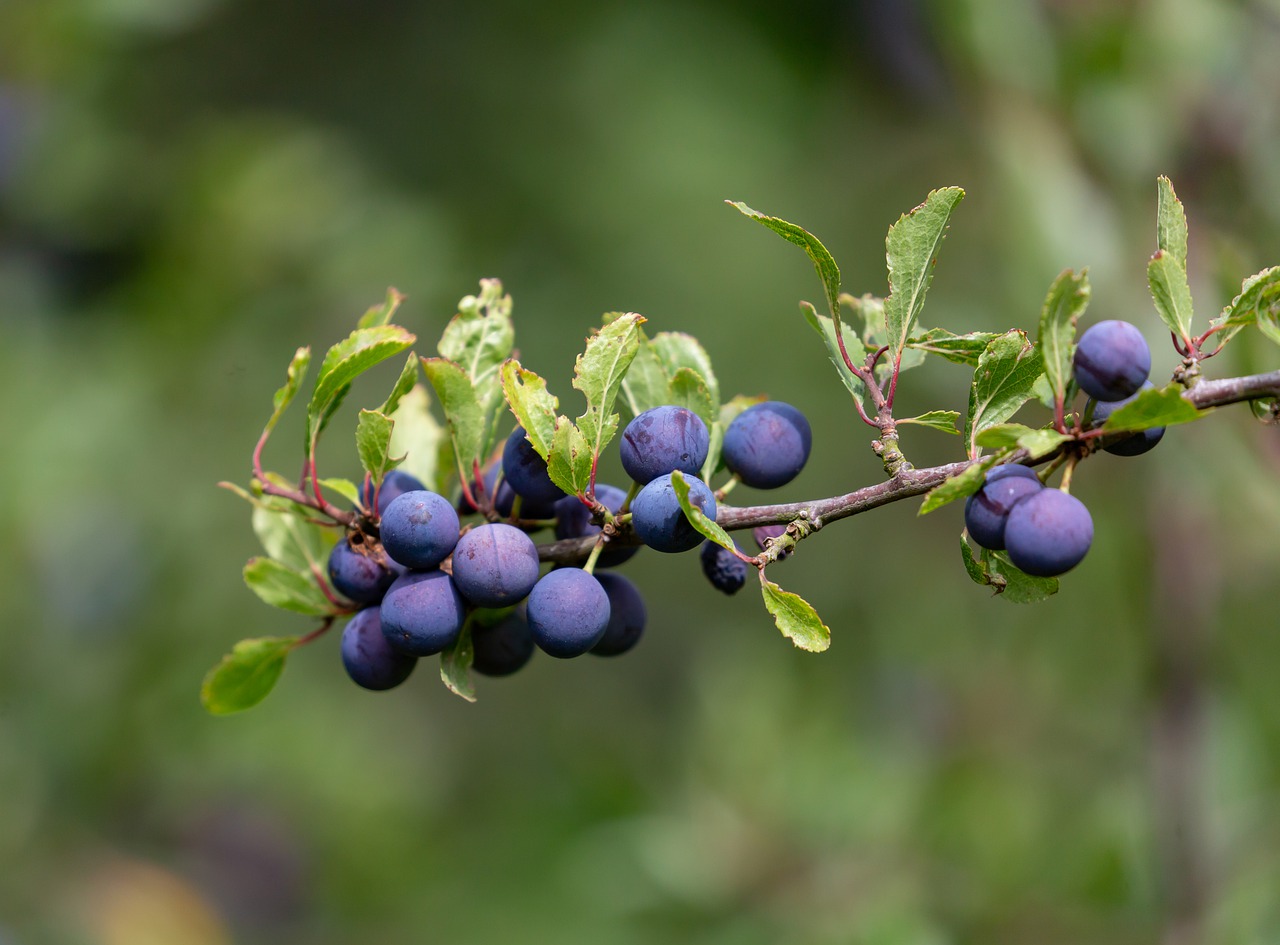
{"type": "Point", "coordinates": [189, 189]}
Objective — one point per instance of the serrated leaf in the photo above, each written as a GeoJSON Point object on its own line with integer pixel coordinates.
{"type": "Point", "coordinates": [912, 250]}
{"type": "Point", "coordinates": [994, 569]}
{"type": "Point", "coordinates": [418, 436]}
{"type": "Point", "coordinates": [676, 350]}
{"type": "Point", "coordinates": [826, 330]}
{"type": "Point", "coordinates": [972, 566]}
{"type": "Point", "coordinates": [246, 675]}
{"type": "Point", "coordinates": [1003, 381]}
{"type": "Point", "coordinates": [823, 262]}
{"type": "Point", "coordinates": [1258, 303]}
{"type": "Point", "coordinates": [959, 349]}
{"type": "Point", "coordinates": [404, 383]}
{"type": "Point", "coordinates": [1067, 299]}
{"type": "Point", "coordinates": [455, 666]}
{"type": "Point", "coordinates": [479, 339]}
{"type": "Point", "coordinates": [287, 588]}
{"type": "Point", "coordinates": [288, 537]}
{"type": "Point", "coordinates": [534, 406]}
{"type": "Point", "coordinates": [647, 381]}
{"type": "Point", "coordinates": [1171, 292]}
{"type": "Point", "coordinates": [345, 361]}
{"type": "Point", "coordinates": [344, 487]}
{"type": "Point", "coordinates": [463, 415]}
{"type": "Point", "coordinates": [1037, 442]}
{"type": "Point", "coordinates": [1154, 407]}
{"type": "Point", "coordinates": [598, 374]}
{"type": "Point", "coordinates": [373, 442]}
{"type": "Point", "coordinates": [1171, 222]}
{"type": "Point", "coordinates": [728, 411]}
{"type": "Point", "coordinates": [795, 617]}
{"type": "Point", "coordinates": [381, 314]}
{"type": "Point", "coordinates": [570, 461]}
{"type": "Point", "coordinates": [959, 486]}
{"type": "Point", "coordinates": [293, 380]}
{"type": "Point", "coordinates": [706, 527]}
{"type": "Point", "coordinates": [690, 391]}
{"type": "Point", "coordinates": [943, 420]}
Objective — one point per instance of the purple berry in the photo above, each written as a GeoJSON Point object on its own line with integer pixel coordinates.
{"type": "Point", "coordinates": [725, 570]}
{"type": "Point", "coordinates": [1135, 444]}
{"type": "Point", "coordinates": [987, 510]}
{"type": "Point", "coordinates": [1049, 533]}
{"type": "Point", "coordinates": [356, 572]}
{"type": "Point", "coordinates": [1112, 360]}
{"type": "Point", "coordinates": [658, 519]}
{"type": "Point", "coordinates": [495, 565]}
{"type": "Point", "coordinates": [369, 659]}
{"type": "Point", "coordinates": [627, 616]}
{"type": "Point", "coordinates": [526, 471]}
{"type": "Point", "coordinates": [394, 484]}
{"type": "Point", "coordinates": [573, 520]}
{"type": "Point", "coordinates": [419, 529]}
{"type": "Point", "coordinates": [502, 648]}
{"type": "Point", "coordinates": [422, 613]}
{"type": "Point", "coordinates": [568, 612]}
{"type": "Point", "coordinates": [767, 445]}
{"type": "Point", "coordinates": [662, 440]}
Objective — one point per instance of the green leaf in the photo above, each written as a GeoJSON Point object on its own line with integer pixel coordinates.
{"type": "Point", "coordinates": [1037, 442]}
{"type": "Point", "coordinates": [678, 350]}
{"type": "Point", "coordinates": [825, 265]}
{"type": "Point", "coordinates": [287, 588]}
{"type": "Point", "coordinates": [373, 441]}
{"type": "Point", "coordinates": [287, 535]}
{"type": "Point", "coordinates": [570, 462]}
{"type": "Point", "coordinates": [455, 665]}
{"type": "Point", "coordinates": [647, 382]}
{"type": "Point", "coordinates": [598, 373]}
{"type": "Point", "coordinates": [943, 420]}
{"type": "Point", "coordinates": [994, 569]}
{"type": "Point", "coordinates": [404, 383]}
{"type": "Point", "coordinates": [245, 675]}
{"type": "Point", "coordinates": [958, 486]}
{"type": "Point", "coordinates": [293, 380]}
{"type": "Point", "coordinates": [418, 437]}
{"type": "Point", "coordinates": [1258, 302]}
{"type": "Point", "coordinates": [1067, 299]}
{"type": "Point", "coordinates": [728, 411]}
{"type": "Point", "coordinates": [534, 407]}
{"type": "Point", "coordinates": [479, 339]}
{"type": "Point", "coordinates": [959, 349]}
{"type": "Point", "coordinates": [912, 250]}
{"type": "Point", "coordinates": [1154, 407]}
{"type": "Point", "coordinates": [706, 527]}
{"type": "Point", "coordinates": [382, 314]}
{"type": "Point", "coordinates": [462, 412]}
{"type": "Point", "coordinates": [690, 391]}
{"type": "Point", "coordinates": [345, 361]}
{"type": "Point", "coordinates": [826, 330]}
{"type": "Point", "coordinates": [1003, 381]}
{"type": "Point", "coordinates": [1171, 292]}
{"type": "Point", "coordinates": [973, 567]}
{"type": "Point", "coordinates": [344, 487]}
{"type": "Point", "coordinates": [1171, 222]}
{"type": "Point", "coordinates": [795, 617]}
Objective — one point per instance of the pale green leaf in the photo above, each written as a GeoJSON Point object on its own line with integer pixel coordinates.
{"type": "Point", "coordinates": [995, 570]}
{"type": "Point", "coordinates": [959, 349]}
{"type": "Point", "coordinates": [598, 374]}
{"type": "Point", "coordinates": [344, 487]}
{"type": "Point", "coordinates": [479, 339]}
{"type": "Point", "coordinates": [942, 420]}
{"type": "Point", "coordinates": [455, 665]}
{"type": "Point", "coordinates": [647, 381]}
{"type": "Point", "coordinates": [287, 536]}
{"type": "Point", "coordinates": [287, 588]}
{"type": "Point", "coordinates": [246, 675]}
{"type": "Point", "coordinates": [1171, 222]}
{"type": "Point", "coordinates": [825, 265]}
{"type": "Point", "coordinates": [569, 463]}
{"type": "Point", "coordinates": [1067, 299]}
{"type": "Point", "coordinates": [463, 414]}
{"type": "Point", "coordinates": [795, 617]}
{"type": "Point", "coordinates": [1002, 382]}
{"type": "Point", "coordinates": [382, 314]}
{"type": "Point", "coordinates": [1171, 292]}
{"type": "Point", "coordinates": [404, 383]}
{"type": "Point", "coordinates": [1153, 407]}
{"type": "Point", "coordinates": [533, 405]}
{"type": "Point", "coordinates": [826, 330]}
{"type": "Point", "coordinates": [361, 350]}
{"type": "Point", "coordinates": [959, 486]}
{"type": "Point", "coordinates": [373, 441]}
{"type": "Point", "coordinates": [705, 526]}
{"type": "Point", "coordinates": [690, 391]}
{"type": "Point", "coordinates": [418, 436]}
{"type": "Point", "coordinates": [676, 350]}
{"type": "Point", "coordinates": [912, 250]}
{"type": "Point", "coordinates": [1037, 442]}
{"type": "Point", "coordinates": [293, 380]}
{"type": "Point", "coordinates": [1258, 303]}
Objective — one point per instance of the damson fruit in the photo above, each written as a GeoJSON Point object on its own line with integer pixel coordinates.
{"type": "Point", "coordinates": [725, 570]}
{"type": "Point", "coordinates": [419, 529]}
{"type": "Point", "coordinates": [1048, 533]}
{"type": "Point", "coordinates": [627, 616]}
{"type": "Point", "coordinates": [1112, 360]}
{"type": "Point", "coordinates": [1135, 444]}
{"type": "Point", "coordinates": [767, 445]}
{"type": "Point", "coordinates": [502, 648]}
{"type": "Point", "coordinates": [662, 440]}
{"type": "Point", "coordinates": [394, 484]}
{"type": "Point", "coordinates": [568, 612]}
{"type": "Point", "coordinates": [658, 519]}
{"type": "Point", "coordinates": [422, 613]}
{"type": "Point", "coordinates": [495, 565]}
{"type": "Point", "coordinates": [526, 471]}
{"type": "Point", "coordinates": [573, 520]}
{"type": "Point", "coordinates": [987, 510]}
{"type": "Point", "coordinates": [357, 574]}
{"type": "Point", "coordinates": [369, 659]}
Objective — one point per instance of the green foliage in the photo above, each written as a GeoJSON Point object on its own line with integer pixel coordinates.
{"type": "Point", "coordinates": [297, 372]}
{"type": "Point", "coordinates": [1156, 407]}
{"type": "Point", "coordinates": [960, 349]}
{"type": "Point", "coordinates": [343, 363]}
{"type": "Point", "coordinates": [959, 486]}
{"type": "Point", "coordinates": [994, 569]}
{"type": "Point", "coordinates": [534, 406]}
{"type": "Point", "coordinates": [825, 327]}
{"type": "Point", "coordinates": [419, 437]}
{"type": "Point", "coordinates": [795, 617]}
{"type": "Point", "coordinates": [1003, 381]}
{"type": "Point", "coordinates": [287, 588]}
{"type": "Point", "coordinates": [912, 249]}
{"type": "Point", "coordinates": [1067, 299]}
{"type": "Point", "coordinates": [697, 518]}
{"type": "Point", "coordinates": [943, 421]}
{"type": "Point", "coordinates": [1257, 304]}
{"type": "Point", "coordinates": [1037, 442]}
{"type": "Point", "coordinates": [826, 266]}
{"type": "Point", "coordinates": [246, 675]}
{"type": "Point", "coordinates": [455, 665]}
{"type": "Point", "coordinates": [598, 374]}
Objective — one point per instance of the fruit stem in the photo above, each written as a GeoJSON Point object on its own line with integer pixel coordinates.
{"type": "Point", "coordinates": [590, 566]}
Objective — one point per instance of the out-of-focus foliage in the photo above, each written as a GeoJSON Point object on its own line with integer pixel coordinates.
{"type": "Point", "coordinates": [191, 189]}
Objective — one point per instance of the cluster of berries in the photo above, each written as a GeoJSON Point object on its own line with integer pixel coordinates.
{"type": "Point", "coordinates": [1047, 532]}
{"type": "Point", "coordinates": [420, 575]}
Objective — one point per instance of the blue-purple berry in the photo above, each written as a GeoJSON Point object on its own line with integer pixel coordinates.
{"type": "Point", "coordinates": [1135, 444]}
{"type": "Point", "coordinates": [368, 658]}
{"type": "Point", "coordinates": [1112, 360]}
{"type": "Point", "coordinates": [987, 510]}
{"type": "Point", "coordinates": [573, 520]}
{"type": "Point", "coordinates": [627, 616]}
{"type": "Point", "coordinates": [503, 647]}
{"type": "Point", "coordinates": [357, 573]}
{"type": "Point", "coordinates": [767, 445]}
{"type": "Point", "coordinates": [1048, 533]}
{"type": "Point", "coordinates": [526, 472]}
{"type": "Point", "coordinates": [495, 565]}
{"type": "Point", "coordinates": [568, 612]}
{"type": "Point", "coordinates": [422, 613]}
{"type": "Point", "coordinates": [419, 529]}
{"type": "Point", "coordinates": [658, 519]}
{"type": "Point", "coordinates": [394, 484]}
{"type": "Point", "coordinates": [662, 440]}
{"type": "Point", "coordinates": [725, 570]}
